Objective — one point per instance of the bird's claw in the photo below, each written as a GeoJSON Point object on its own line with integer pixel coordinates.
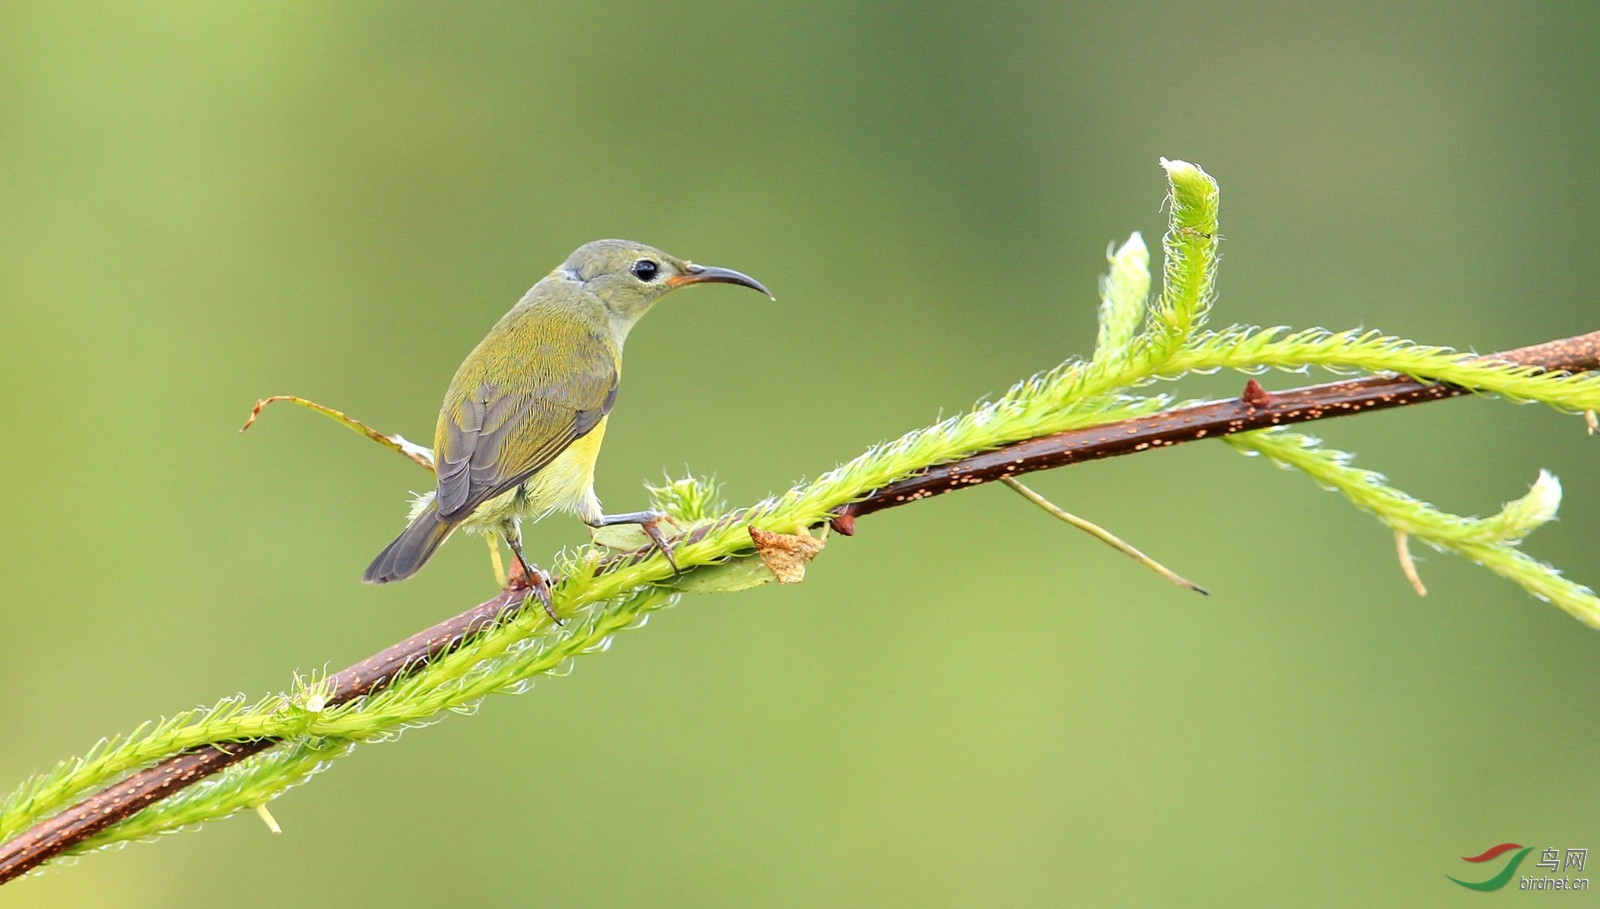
{"type": "Point", "coordinates": [527, 577]}
{"type": "Point", "coordinates": [652, 529]}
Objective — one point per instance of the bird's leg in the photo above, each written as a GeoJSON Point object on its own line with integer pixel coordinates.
{"type": "Point", "coordinates": [532, 577]}
{"type": "Point", "coordinates": [496, 562]}
{"type": "Point", "coordinates": [649, 522]}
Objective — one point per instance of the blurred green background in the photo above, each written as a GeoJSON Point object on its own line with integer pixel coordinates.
{"type": "Point", "coordinates": [967, 704]}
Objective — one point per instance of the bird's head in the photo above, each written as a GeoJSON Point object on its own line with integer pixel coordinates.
{"type": "Point", "coordinates": [630, 277]}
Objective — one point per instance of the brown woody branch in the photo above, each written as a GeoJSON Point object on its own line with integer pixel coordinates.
{"type": "Point", "coordinates": [1255, 409]}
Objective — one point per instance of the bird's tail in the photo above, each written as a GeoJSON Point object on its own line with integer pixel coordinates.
{"type": "Point", "coordinates": [407, 554]}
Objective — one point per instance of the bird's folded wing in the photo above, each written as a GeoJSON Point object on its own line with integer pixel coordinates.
{"type": "Point", "coordinates": [494, 437]}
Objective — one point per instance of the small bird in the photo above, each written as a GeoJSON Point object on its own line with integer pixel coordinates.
{"type": "Point", "coordinates": [523, 418]}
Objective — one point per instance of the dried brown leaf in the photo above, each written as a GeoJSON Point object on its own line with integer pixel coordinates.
{"type": "Point", "coordinates": [785, 554]}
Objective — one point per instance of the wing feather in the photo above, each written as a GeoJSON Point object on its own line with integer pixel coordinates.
{"type": "Point", "coordinates": [491, 437]}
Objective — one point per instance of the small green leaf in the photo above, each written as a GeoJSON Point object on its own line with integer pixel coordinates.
{"type": "Point", "coordinates": [632, 536]}
{"type": "Point", "coordinates": [620, 536]}
{"type": "Point", "coordinates": [740, 573]}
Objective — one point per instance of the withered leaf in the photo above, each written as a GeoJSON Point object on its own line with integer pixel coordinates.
{"type": "Point", "coordinates": [785, 554]}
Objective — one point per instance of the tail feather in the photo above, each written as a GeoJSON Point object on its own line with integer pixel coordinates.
{"type": "Point", "coordinates": [411, 550]}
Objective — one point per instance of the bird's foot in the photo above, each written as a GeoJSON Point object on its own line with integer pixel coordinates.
{"type": "Point", "coordinates": [650, 522]}
{"type": "Point", "coordinates": [652, 529]}
{"type": "Point", "coordinates": [527, 577]}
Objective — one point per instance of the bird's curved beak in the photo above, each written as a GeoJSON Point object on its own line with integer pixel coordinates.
{"type": "Point", "coordinates": [710, 274]}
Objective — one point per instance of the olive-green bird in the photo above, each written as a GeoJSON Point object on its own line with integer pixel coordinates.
{"type": "Point", "coordinates": [524, 416]}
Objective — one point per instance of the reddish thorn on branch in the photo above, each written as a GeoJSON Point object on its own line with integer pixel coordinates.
{"type": "Point", "coordinates": [1254, 395]}
{"type": "Point", "coordinates": [844, 522]}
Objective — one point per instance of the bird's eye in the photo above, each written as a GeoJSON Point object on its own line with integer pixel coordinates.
{"type": "Point", "coordinates": [645, 270]}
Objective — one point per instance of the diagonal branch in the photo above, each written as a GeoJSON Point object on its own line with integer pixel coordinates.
{"type": "Point", "coordinates": [1255, 409]}
{"type": "Point", "coordinates": [126, 797]}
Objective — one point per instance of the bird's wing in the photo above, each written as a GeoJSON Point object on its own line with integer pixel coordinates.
{"type": "Point", "coordinates": [491, 437]}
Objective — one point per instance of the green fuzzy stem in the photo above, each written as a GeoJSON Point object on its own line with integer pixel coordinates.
{"type": "Point", "coordinates": [1076, 394]}
{"type": "Point", "coordinates": [1190, 245]}
{"type": "Point", "coordinates": [1123, 294]}
{"type": "Point", "coordinates": [1491, 542]}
